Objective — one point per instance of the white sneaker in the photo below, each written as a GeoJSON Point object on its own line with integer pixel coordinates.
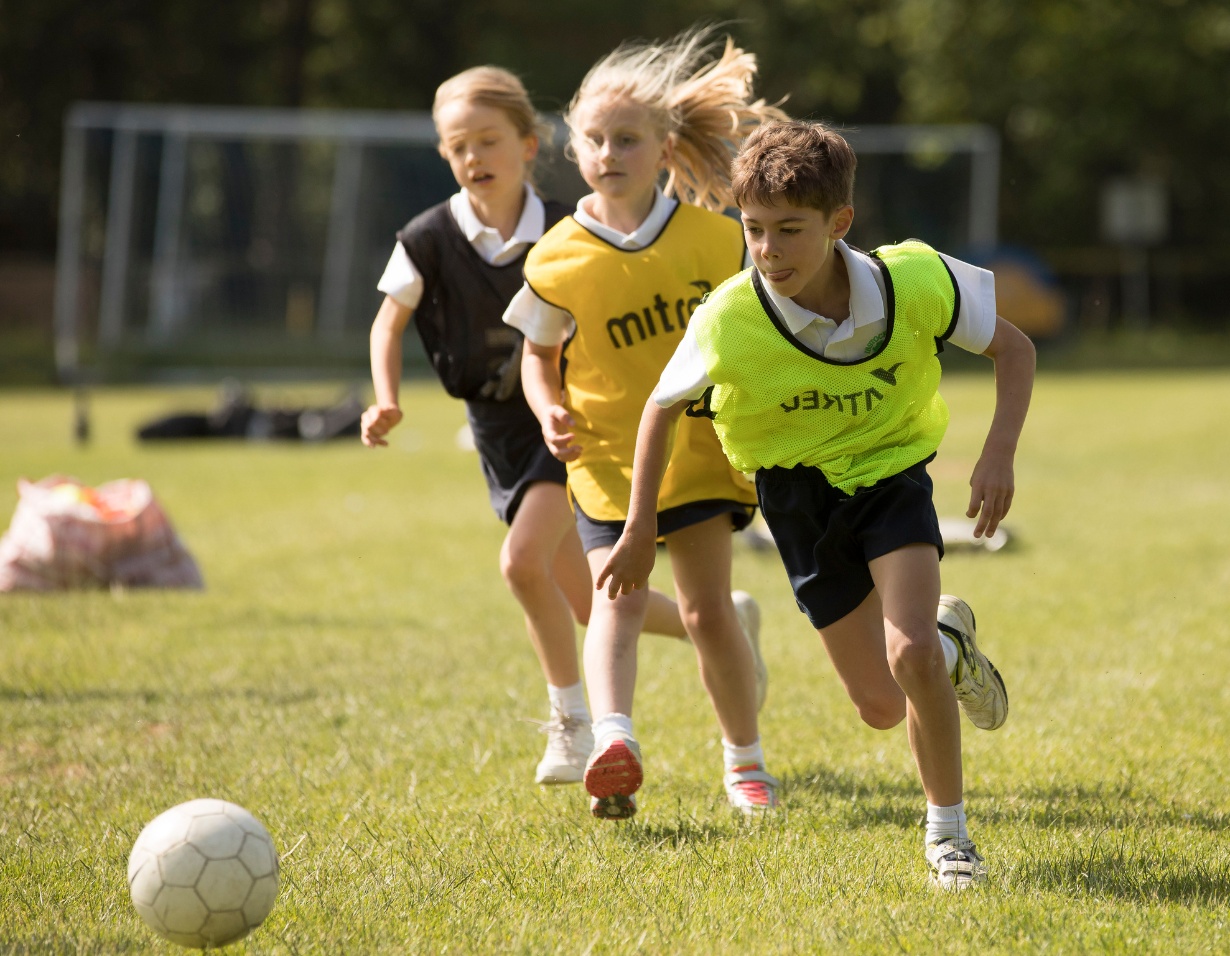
{"type": "Point", "coordinates": [569, 742]}
{"type": "Point", "coordinates": [955, 864]}
{"type": "Point", "coordinates": [612, 775]}
{"type": "Point", "coordinates": [980, 689]}
{"type": "Point", "coordinates": [748, 612]}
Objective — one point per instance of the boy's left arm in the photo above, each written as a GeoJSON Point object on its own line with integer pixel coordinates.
{"type": "Point", "coordinates": [992, 483]}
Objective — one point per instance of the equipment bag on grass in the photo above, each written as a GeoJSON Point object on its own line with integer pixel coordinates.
{"type": "Point", "coordinates": [68, 535]}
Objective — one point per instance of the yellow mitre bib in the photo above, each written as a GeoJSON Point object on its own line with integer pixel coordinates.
{"type": "Point", "coordinates": [630, 309]}
{"type": "Point", "coordinates": [777, 403]}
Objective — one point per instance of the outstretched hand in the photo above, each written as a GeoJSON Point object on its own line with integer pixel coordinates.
{"type": "Point", "coordinates": [628, 565]}
{"type": "Point", "coordinates": [991, 488]}
{"type": "Point", "coordinates": [377, 422]}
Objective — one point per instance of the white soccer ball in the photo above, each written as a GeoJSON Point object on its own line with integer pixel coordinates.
{"type": "Point", "coordinates": [203, 873]}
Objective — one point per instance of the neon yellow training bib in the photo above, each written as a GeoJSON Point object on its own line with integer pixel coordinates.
{"type": "Point", "coordinates": [777, 403]}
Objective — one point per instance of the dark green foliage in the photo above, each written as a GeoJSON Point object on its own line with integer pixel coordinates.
{"type": "Point", "coordinates": [1080, 91]}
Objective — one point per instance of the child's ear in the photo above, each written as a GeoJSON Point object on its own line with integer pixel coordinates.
{"type": "Point", "coordinates": [668, 150]}
{"type": "Point", "coordinates": [843, 219]}
{"type": "Point", "coordinates": [531, 147]}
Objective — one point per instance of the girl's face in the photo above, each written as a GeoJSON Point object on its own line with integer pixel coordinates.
{"type": "Point", "coordinates": [618, 149]}
{"type": "Point", "coordinates": [487, 155]}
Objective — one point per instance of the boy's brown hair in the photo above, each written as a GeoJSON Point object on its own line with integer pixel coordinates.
{"type": "Point", "coordinates": [802, 164]}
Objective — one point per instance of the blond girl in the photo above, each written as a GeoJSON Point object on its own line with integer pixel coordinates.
{"type": "Point", "coordinates": [453, 271]}
{"type": "Point", "coordinates": [608, 293]}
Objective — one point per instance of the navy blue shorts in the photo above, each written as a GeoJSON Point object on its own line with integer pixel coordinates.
{"type": "Point", "coordinates": [598, 534]}
{"type": "Point", "coordinates": [827, 538]}
{"type": "Point", "coordinates": [512, 452]}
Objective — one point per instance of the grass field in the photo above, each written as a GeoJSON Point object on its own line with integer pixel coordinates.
{"type": "Point", "coordinates": [356, 675]}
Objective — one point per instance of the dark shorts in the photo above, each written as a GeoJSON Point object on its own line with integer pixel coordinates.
{"type": "Point", "coordinates": [512, 452]}
{"type": "Point", "coordinates": [827, 537]}
{"type": "Point", "coordinates": [598, 534]}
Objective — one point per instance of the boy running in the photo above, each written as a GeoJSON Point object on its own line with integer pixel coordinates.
{"type": "Point", "coordinates": [819, 369]}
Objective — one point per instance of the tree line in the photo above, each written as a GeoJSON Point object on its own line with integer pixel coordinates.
{"type": "Point", "coordinates": [1079, 90]}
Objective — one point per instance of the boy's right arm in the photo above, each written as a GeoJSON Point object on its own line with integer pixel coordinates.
{"type": "Point", "coordinates": [630, 561]}
{"type": "Point", "coordinates": [390, 322]}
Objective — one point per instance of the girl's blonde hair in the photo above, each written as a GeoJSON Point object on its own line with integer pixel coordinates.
{"type": "Point", "coordinates": [703, 104]}
{"type": "Point", "coordinates": [500, 89]}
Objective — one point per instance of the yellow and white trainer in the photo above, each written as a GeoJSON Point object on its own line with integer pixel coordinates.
{"type": "Point", "coordinates": [980, 689]}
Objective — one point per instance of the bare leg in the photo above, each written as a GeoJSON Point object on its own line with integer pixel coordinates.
{"type": "Point", "coordinates": [572, 574]}
{"type": "Point", "coordinates": [700, 555]}
{"type": "Point", "coordinates": [908, 581]}
{"type": "Point", "coordinates": [855, 645]}
{"type": "Point", "coordinates": [528, 563]}
{"type": "Point", "coordinates": [610, 645]}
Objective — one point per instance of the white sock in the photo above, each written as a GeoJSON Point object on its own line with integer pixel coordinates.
{"type": "Point", "coordinates": [735, 756]}
{"type": "Point", "coordinates": [611, 723]}
{"type": "Point", "coordinates": [569, 700]}
{"type": "Point", "coordinates": [945, 822]}
{"type": "Point", "coordinates": [951, 652]}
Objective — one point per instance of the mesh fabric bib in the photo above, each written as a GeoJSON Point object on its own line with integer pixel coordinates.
{"type": "Point", "coordinates": [776, 403]}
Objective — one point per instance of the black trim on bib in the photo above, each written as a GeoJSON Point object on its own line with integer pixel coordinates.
{"type": "Point", "coordinates": [780, 324]}
{"type": "Point", "coordinates": [639, 248]}
{"type": "Point", "coordinates": [956, 300]}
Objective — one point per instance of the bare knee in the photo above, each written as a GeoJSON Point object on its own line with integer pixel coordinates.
{"type": "Point", "coordinates": [915, 657]}
{"type": "Point", "coordinates": [883, 710]}
{"type": "Point", "coordinates": [703, 619]}
{"type": "Point", "coordinates": [523, 571]}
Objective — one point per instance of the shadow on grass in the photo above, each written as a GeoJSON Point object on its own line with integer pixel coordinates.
{"type": "Point", "coordinates": [1153, 869]}
{"type": "Point", "coordinates": [678, 833]}
{"type": "Point", "coordinates": [1079, 807]}
{"type": "Point", "coordinates": [857, 799]}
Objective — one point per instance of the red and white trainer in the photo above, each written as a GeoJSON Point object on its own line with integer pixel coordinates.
{"type": "Point", "coordinates": [612, 775]}
{"type": "Point", "coordinates": [751, 788]}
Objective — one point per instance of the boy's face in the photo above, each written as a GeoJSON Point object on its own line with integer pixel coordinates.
{"type": "Point", "coordinates": [792, 248]}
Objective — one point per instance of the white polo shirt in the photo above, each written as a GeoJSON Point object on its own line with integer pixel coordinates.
{"type": "Point", "coordinates": [847, 340]}
{"type": "Point", "coordinates": [402, 282]}
{"type": "Point", "coordinates": [548, 325]}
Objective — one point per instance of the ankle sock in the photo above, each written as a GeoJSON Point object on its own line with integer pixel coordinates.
{"type": "Point", "coordinates": [569, 700]}
{"type": "Point", "coordinates": [951, 652]}
{"type": "Point", "coordinates": [736, 756]}
{"type": "Point", "coordinates": [945, 822]}
{"type": "Point", "coordinates": [610, 723]}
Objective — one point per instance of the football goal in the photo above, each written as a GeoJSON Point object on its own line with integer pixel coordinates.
{"type": "Point", "coordinates": [206, 243]}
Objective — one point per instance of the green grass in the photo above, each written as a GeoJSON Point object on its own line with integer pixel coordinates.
{"type": "Point", "coordinates": [356, 675]}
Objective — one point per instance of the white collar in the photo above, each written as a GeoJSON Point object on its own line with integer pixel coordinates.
{"type": "Point", "coordinates": [866, 302]}
{"type": "Point", "coordinates": [642, 235]}
{"type": "Point", "coordinates": [529, 226]}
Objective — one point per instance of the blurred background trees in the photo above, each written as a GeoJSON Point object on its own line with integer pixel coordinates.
{"type": "Point", "coordinates": [1081, 91]}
